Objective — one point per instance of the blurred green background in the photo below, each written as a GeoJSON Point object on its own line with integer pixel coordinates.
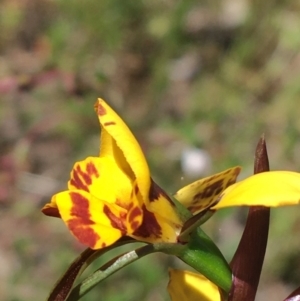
{"type": "Point", "coordinates": [208, 74]}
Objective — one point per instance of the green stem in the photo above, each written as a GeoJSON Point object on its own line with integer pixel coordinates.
{"type": "Point", "coordinates": [64, 285]}
{"type": "Point", "coordinates": [203, 255]}
{"type": "Point", "coordinates": [118, 263]}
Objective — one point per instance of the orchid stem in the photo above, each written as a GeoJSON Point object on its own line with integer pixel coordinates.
{"type": "Point", "coordinates": [118, 263]}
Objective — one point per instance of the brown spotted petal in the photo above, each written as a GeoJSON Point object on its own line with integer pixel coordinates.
{"type": "Point", "coordinates": [155, 229]}
{"type": "Point", "coordinates": [204, 193]}
{"type": "Point", "coordinates": [92, 221]}
{"type": "Point", "coordinates": [101, 204]}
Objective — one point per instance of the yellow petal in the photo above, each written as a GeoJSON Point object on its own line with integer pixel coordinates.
{"type": "Point", "coordinates": [101, 205]}
{"type": "Point", "coordinates": [92, 221]}
{"type": "Point", "coordinates": [102, 178]}
{"type": "Point", "coordinates": [125, 146]}
{"type": "Point", "coordinates": [270, 189]}
{"type": "Point", "coordinates": [156, 229]}
{"type": "Point", "coordinates": [161, 204]}
{"type": "Point", "coordinates": [188, 286]}
{"type": "Point", "coordinates": [205, 192]}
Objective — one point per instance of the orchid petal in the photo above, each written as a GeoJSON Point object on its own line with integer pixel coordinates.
{"type": "Point", "coordinates": [154, 228]}
{"type": "Point", "coordinates": [188, 286]}
{"type": "Point", "coordinates": [160, 203]}
{"type": "Point", "coordinates": [270, 189]}
{"type": "Point", "coordinates": [101, 205]}
{"type": "Point", "coordinates": [205, 192]}
{"type": "Point", "coordinates": [93, 222]}
{"type": "Point", "coordinates": [102, 178]}
{"type": "Point", "coordinates": [122, 146]}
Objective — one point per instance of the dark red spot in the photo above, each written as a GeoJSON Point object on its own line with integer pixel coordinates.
{"type": "Point", "coordinates": [77, 182]}
{"type": "Point", "coordinates": [116, 222]}
{"type": "Point", "coordinates": [155, 192]}
{"type": "Point", "coordinates": [136, 189]}
{"type": "Point", "coordinates": [85, 235]}
{"type": "Point", "coordinates": [135, 212]}
{"type": "Point", "coordinates": [149, 226]}
{"type": "Point", "coordinates": [82, 179]}
{"type": "Point", "coordinates": [92, 170]}
{"type": "Point", "coordinates": [86, 177]}
{"type": "Point", "coordinates": [101, 111]}
{"type": "Point", "coordinates": [109, 123]}
{"type": "Point", "coordinates": [51, 212]}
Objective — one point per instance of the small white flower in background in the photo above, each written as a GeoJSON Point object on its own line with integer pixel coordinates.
{"type": "Point", "coordinates": [195, 162]}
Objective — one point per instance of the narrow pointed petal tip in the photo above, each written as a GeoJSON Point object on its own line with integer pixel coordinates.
{"type": "Point", "coordinates": [261, 160]}
{"type": "Point", "coordinates": [189, 286]}
{"type": "Point", "coordinates": [269, 189]}
{"type": "Point", "coordinates": [51, 211]}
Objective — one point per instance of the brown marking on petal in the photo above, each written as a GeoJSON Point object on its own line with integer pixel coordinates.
{"type": "Point", "coordinates": [136, 189]}
{"type": "Point", "coordinates": [80, 208]}
{"type": "Point", "coordinates": [210, 191]}
{"type": "Point", "coordinates": [116, 221]}
{"type": "Point", "coordinates": [124, 205]}
{"type": "Point", "coordinates": [134, 225]}
{"type": "Point", "coordinates": [50, 211]}
{"type": "Point", "coordinates": [85, 235]}
{"type": "Point", "coordinates": [134, 213]}
{"type": "Point", "coordinates": [81, 220]}
{"type": "Point", "coordinates": [77, 182]}
{"type": "Point", "coordinates": [230, 182]}
{"type": "Point", "coordinates": [109, 123]}
{"type": "Point", "coordinates": [101, 111]}
{"type": "Point", "coordinates": [197, 208]}
{"type": "Point", "coordinates": [103, 245]}
{"type": "Point", "coordinates": [92, 170]}
{"type": "Point", "coordinates": [129, 207]}
{"type": "Point", "coordinates": [155, 192]}
{"type": "Point", "coordinates": [149, 226]}
{"type": "Point", "coordinates": [210, 179]}
{"type": "Point", "coordinates": [86, 177]}
{"type": "Point", "coordinates": [233, 179]}
{"type": "Point", "coordinates": [82, 179]}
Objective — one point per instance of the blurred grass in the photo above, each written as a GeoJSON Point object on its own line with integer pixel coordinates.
{"type": "Point", "coordinates": [212, 74]}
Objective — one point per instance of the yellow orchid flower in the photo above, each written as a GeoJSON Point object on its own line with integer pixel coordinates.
{"type": "Point", "coordinates": [189, 286]}
{"type": "Point", "coordinates": [113, 195]}
{"type": "Point", "coordinates": [269, 189]}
